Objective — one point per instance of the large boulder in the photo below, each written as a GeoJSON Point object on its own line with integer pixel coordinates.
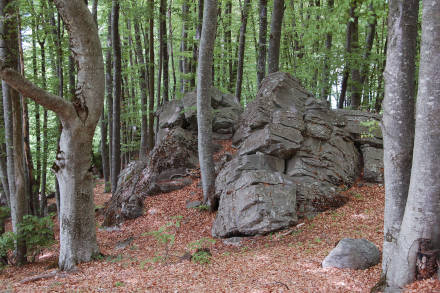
{"type": "Point", "coordinates": [165, 170]}
{"type": "Point", "coordinates": [259, 202]}
{"type": "Point", "coordinates": [284, 131]}
{"type": "Point", "coordinates": [358, 254]}
{"type": "Point", "coordinates": [174, 154]}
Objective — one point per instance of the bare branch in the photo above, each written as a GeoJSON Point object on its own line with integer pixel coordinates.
{"type": "Point", "coordinates": [50, 101]}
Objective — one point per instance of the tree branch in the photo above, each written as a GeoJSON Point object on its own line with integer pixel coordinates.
{"type": "Point", "coordinates": [25, 87]}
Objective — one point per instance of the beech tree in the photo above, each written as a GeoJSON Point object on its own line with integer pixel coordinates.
{"type": "Point", "coordinates": [419, 229]}
{"type": "Point", "coordinates": [204, 83]}
{"type": "Point", "coordinates": [398, 106]}
{"type": "Point", "coordinates": [79, 119]}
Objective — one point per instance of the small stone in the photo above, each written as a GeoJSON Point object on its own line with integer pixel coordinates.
{"type": "Point", "coordinates": [123, 244]}
{"type": "Point", "coordinates": [233, 241]}
{"type": "Point", "coordinates": [193, 204]}
{"type": "Point", "coordinates": [358, 254]}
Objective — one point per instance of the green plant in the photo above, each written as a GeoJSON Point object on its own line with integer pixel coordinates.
{"type": "Point", "coordinates": [7, 241]}
{"type": "Point", "coordinates": [202, 254]}
{"type": "Point", "coordinates": [202, 257]}
{"type": "Point", "coordinates": [119, 284]}
{"type": "Point", "coordinates": [372, 128]}
{"type": "Point", "coordinates": [166, 235]}
{"type": "Point", "coordinates": [203, 207]}
{"type": "Point", "coordinates": [37, 233]}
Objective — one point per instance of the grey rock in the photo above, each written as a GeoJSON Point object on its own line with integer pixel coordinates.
{"type": "Point", "coordinates": [124, 243]}
{"type": "Point", "coordinates": [233, 241]}
{"type": "Point", "coordinates": [163, 171]}
{"type": "Point", "coordinates": [225, 119]}
{"type": "Point", "coordinates": [279, 92]}
{"type": "Point", "coordinates": [358, 254]}
{"type": "Point", "coordinates": [256, 208]}
{"type": "Point", "coordinates": [193, 204]}
{"type": "Point", "coordinates": [171, 114]}
{"type": "Point", "coordinates": [226, 110]}
{"type": "Point", "coordinates": [373, 164]}
{"type": "Point", "coordinates": [233, 169]}
{"type": "Point", "coordinates": [274, 139]}
{"type": "Point", "coordinates": [353, 121]}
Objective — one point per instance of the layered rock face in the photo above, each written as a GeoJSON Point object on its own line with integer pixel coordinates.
{"type": "Point", "coordinates": [174, 155]}
{"type": "Point", "coordinates": [293, 154]}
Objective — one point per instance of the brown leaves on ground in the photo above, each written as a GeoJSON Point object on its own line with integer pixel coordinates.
{"type": "Point", "coordinates": [278, 262]}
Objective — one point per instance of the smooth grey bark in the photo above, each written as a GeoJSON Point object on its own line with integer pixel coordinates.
{"type": "Point", "coordinates": [397, 122]}
{"type": "Point", "coordinates": [117, 94]}
{"type": "Point", "coordinates": [79, 119]}
{"type": "Point", "coordinates": [276, 22]}
{"type": "Point", "coordinates": [144, 88]}
{"type": "Point", "coordinates": [204, 83]}
{"type": "Point", "coordinates": [262, 42]}
{"type": "Point", "coordinates": [421, 219]}
{"type": "Point", "coordinates": [241, 49]}
{"type": "Point", "coordinates": [13, 122]}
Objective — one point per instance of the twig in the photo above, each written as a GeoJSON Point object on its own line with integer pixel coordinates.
{"type": "Point", "coordinates": [39, 277]}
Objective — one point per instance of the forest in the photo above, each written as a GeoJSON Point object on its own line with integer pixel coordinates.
{"type": "Point", "coordinates": [220, 145]}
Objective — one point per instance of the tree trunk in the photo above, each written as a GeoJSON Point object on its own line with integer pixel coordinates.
{"type": "Point", "coordinates": [79, 119]}
{"type": "Point", "coordinates": [150, 140]}
{"type": "Point", "coordinates": [421, 220]}
{"type": "Point", "coordinates": [109, 98]}
{"type": "Point", "coordinates": [241, 48]}
{"type": "Point", "coordinates": [326, 86]}
{"type": "Point", "coordinates": [183, 63]}
{"type": "Point", "coordinates": [164, 49]}
{"type": "Point", "coordinates": [275, 36]}
{"type": "Point", "coordinates": [13, 122]}
{"type": "Point", "coordinates": [348, 50]}
{"type": "Point", "coordinates": [170, 32]}
{"type": "Point", "coordinates": [228, 44]}
{"type": "Point", "coordinates": [204, 83]}
{"type": "Point", "coordinates": [398, 122]}
{"type": "Point", "coordinates": [262, 42]}
{"type": "Point", "coordinates": [117, 88]}
{"type": "Point", "coordinates": [356, 85]}
{"type": "Point", "coordinates": [143, 87]}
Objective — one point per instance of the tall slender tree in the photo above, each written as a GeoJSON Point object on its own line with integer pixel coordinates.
{"type": "Point", "coordinates": [117, 96]}
{"type": "Point", "coordinates": [13, 122]}
{"type": "Point", "coordinates": [241, 49]}
{"type": "Point", "coordinates": [204, 83]}
{"type": "Point", "coordinates": [275, 36]}
{"type": "Point", "coordinates": [262, 42]}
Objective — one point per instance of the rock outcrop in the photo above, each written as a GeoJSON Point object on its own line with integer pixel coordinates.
{"type": "Point", "coordinates": [174, 155]}
{"type": "Point", "coordinates": [293, 155]}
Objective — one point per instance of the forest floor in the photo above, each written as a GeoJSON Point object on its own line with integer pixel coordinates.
{"type": "Point", "coordinates": [286, 261]}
